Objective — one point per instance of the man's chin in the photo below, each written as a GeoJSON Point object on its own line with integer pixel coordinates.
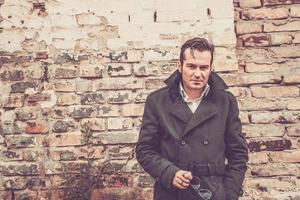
{"type": "Point", "coordinates": [197, 87]}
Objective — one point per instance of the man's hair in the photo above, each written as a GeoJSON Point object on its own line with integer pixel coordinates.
{"type": "Point", "coordinates": [199, 44]}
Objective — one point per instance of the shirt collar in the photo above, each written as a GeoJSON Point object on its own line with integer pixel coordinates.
{"type": "Point", "coordinates": [186, 97]}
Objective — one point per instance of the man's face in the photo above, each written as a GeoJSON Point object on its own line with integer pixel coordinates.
{"type": "Point", "coordinates": [195, 70]}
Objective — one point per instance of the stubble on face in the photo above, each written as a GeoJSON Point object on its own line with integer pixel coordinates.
{"type": "Point", "coordinates": [195, 71]}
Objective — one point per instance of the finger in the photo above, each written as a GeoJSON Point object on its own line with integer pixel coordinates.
{"type": "Point", "coordinates": [179, 186]}
{"type": "Point", "coordinates": [188, 175]}
{"type": "Point", "coordinates": [177, 182]}
{"type": "Point", "coordinates": [182, 183]}
{"type": "Point", "coordinates": [185, 185]}
{"type": "Point", "coordinates": [183, 179]}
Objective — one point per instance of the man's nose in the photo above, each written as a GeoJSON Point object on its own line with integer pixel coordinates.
{"type": "Point", "coordinates": [198, 73]}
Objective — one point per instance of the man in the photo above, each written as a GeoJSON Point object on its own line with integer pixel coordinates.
{"type": "Point", "coordinates": [190, 140]}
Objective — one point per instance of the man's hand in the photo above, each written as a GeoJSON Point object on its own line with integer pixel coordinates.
{"type": "Point", "coordinates": [182, 179]}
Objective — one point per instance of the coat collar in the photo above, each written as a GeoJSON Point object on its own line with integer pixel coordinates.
{"type": "Point", "coordinates": [214, 81]}
{"type": "Point", "coordinates": [205, 110]}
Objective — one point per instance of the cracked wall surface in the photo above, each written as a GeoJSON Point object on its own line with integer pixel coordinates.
{"type": "Point", "coordinates": [74, 76]}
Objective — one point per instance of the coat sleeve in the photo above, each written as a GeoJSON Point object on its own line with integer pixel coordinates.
{"type": "Point", "coordinates": [148, 148]}
{"type": "Point", "coordinates": [236, 152]}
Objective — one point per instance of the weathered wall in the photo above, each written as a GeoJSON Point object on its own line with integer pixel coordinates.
{"type": "Point", "coordinates": [75, 74]}
{"type": "Point", "coordinates": [268, 48]}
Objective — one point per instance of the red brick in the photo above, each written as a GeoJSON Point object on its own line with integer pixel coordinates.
{"type": "Point", "coordinates": [293, 104]}
{"type": "Point", "coordinates": [58, 112]}
{"type": "Point", "coordinates": [249, 3]}
{"type": "Point", "coordinates": [30, 195]}
{"type": "Point", "coordinates": [276, 2]}
{"type": "Point", "coordinates": [246, 79]}
{"type": "Point", "coordinates": [90, 71]}
{"type": "Point", "coordinates": [52, 194]}
{"type": "Point", "coordinates": [264, 130]}
{"type": "Point", "coordinates": [64, 99]}
{"type": "Point", "coordinates": [293, 130]}
{"type": "Point", "coordinates": [90, 18]}
{"type": "Point", "coordinates": [248, 27]}
{"type": "Point", "coordinates": [27, 113]}
{"type": "Point", "coordinates": [274, 169]}
{"type": "Point", "coordinates": [116, 137]}
{"type": "Point", "coordinates": [39, 6]}
{"type": "Point", "coordinates": [119, 69]}
{"type": "Point", "coordinates": [286, 52]}
{"type": "Point", "coordinates": [281, 38]}
{"type": "Point", "coordinates": [279, 91]}
{"type": "Point", "coordinates": [119, 193]}
{"type": "Point", "coordinates": [268, 144]}
{"type": "Point", "coordinates": [35, 127]}
{"type": "Point", "coordinates": [106, 111]}
{"type": "Point", "coordinates": [14, 101]}
{"type": "Point", "coordinates": [41, 55]}
{"type": "Point", "coordinates": [119, 123]}
{"type": "Point", "coordinates": [262, 104]}
{"type": "Point", "coordinates": [6, 195]}
{"type": "Point", "coordinates": [62, 140]}
{"type": "Point", "coordinates": [96, 124]}
{"type": "Point", "coordinates": [266, 117]}
{"type": "Point", "coordinates": [239, 42]}
{"type": "Point", "coordinates": [12, 75]}
{"type": "Point", "coordinates": [67, 168]}
{"type": "Point", "coordinates": [93, 98]}
{"type": "Point", "coordinates": [132, 110]}
{"type": "Point", "coordinates": [257, 40]}
{"type": "Point", "coordinates": [65, 72]}
{"type": "Point", "coordinates": [38, 97]}
{"type": "Point", "coordinates": [295, 11]}
{"type": "Point", "coordinates": [20, 141]}
{"type": "Point", "coordinates": [118, 83]}
{"type": "Point", "coordinates": [16, 169]}
{"type": "Point", "coordinates": [64, 86]}
{"type": "Point", "coordinates": [10, 155]}
{"type": "Point", "coordinates": [288, 26]}
{"type": "Point", "coordinates": [15, 183]}
{"type": "Point", "coordinates": [71, 153]}
{"type": "Point", "coordinates": [265, 13]}
{"type": "Point", "coordinates": [258, 158]}
{"type": "Point", "coordinates": [21, 87]}
{"type": "Point", "coordinates": [286, 156]}
{"type": "Point", "coordinates": [254, 67]}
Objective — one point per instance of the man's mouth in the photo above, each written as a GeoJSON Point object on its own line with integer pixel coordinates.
{"type": "Point", "coordinates": [196, 81]}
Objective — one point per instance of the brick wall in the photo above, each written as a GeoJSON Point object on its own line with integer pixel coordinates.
{"type": "Point", "coordinates": [74, 77]}
{"type": "Point", "coordinates": [268, 51]}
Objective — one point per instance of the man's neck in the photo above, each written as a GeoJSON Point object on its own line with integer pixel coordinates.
{"type": "Point", "coordinates": [193, 94]}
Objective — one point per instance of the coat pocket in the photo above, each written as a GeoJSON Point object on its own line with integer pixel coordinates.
{"type": "Point", "coordinates": [162, 193]}
{"type": "Point", "coordinates": [208, 189]}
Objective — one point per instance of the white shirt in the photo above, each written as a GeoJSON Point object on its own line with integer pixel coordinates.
{"type": "Point", "coordinates": [193, 104]}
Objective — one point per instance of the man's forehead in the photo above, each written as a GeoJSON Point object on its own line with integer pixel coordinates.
{"type": "Point", "coordinates": [192, 52]}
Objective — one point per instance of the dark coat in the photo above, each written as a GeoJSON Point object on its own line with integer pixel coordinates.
{"type": "Point", "coordinates": [173, 138]}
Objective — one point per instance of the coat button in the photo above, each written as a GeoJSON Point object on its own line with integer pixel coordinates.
{"type": "Point", "coordinates": [183, 142]}
{"type": "Point", "coordinates": [205, 142]}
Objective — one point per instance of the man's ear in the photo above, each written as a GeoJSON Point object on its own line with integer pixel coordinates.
{"type": "Point", "coordinates": [212, 68]}
{"type": "Point", "coordinates": [179, 66]}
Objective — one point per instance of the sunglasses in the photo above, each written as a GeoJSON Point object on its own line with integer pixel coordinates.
{"type": "Point", "coordinates": [203, 193]}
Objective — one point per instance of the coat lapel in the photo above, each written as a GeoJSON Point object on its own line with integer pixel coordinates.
{"type": "Point", "coordinates": [205, 110]}
{"type": "Point", "coordinates": [181, 110]}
